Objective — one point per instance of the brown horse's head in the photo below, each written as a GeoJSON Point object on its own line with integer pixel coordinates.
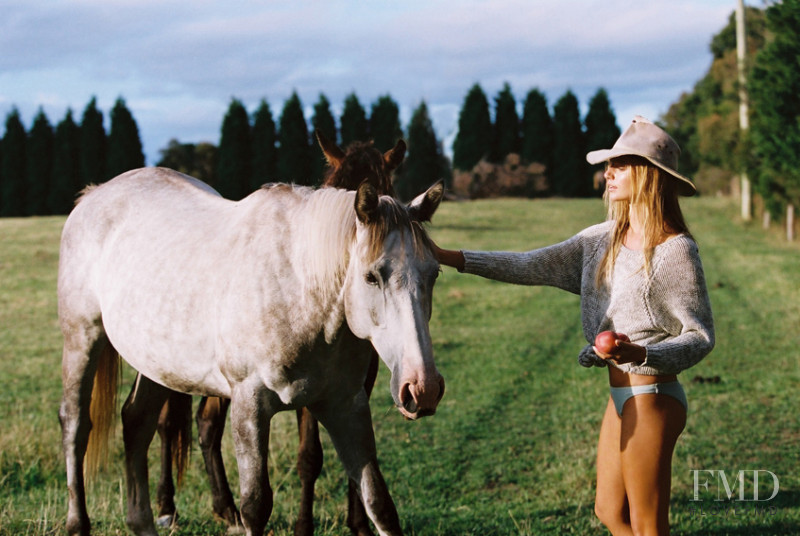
{"type": "Point", "coordinates": [359, 163]}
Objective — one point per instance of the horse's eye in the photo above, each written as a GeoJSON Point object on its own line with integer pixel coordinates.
{"type": "Point", "coordinates": [371, 278]}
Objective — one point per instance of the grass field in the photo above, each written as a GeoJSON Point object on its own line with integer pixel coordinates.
{"type": "Point", "coordinates": [511, 449]}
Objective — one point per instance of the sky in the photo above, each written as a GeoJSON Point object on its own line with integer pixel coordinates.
{"type": "Point", "coordinates": [178, 64]}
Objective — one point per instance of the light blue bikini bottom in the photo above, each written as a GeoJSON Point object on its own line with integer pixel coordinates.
{"type": "Point", "coordinates": [620, 395]}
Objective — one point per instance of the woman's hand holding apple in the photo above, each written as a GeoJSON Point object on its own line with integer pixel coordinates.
{"type": "Point", "coordinates": [618, 348]}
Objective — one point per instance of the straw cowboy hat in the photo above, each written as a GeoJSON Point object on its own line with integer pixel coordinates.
{"type": "Point", "coordinates": [643, 138]}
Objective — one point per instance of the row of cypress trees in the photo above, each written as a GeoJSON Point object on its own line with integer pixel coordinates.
{"type": "Point", "coordinates": [42, 171]}
{"type": "Point", "coordinates": [560, 141]}
{"type": "Point", "coordinates": [255, 149]}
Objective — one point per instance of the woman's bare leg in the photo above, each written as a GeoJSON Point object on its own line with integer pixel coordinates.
{"type": "Point", "coordinates": [651, 424]}
{"type": "Point", "coordinates": [611, 501]}
{"type": "Point", "coordinates": [634, 464]}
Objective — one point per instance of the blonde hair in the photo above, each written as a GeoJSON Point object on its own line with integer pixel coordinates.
{"type": "Point", "coordinates": [654, 197]}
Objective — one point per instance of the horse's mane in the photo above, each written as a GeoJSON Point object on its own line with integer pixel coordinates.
{"type": "Point", "coordinates": [328, 231]}
{"type": "Point", "coordinates": [85, 191]}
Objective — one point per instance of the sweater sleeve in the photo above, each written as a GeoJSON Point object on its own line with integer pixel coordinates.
{"type": "Point", "coordinates": [559, 265]}
{"type": "Point", "coordinates": [678, 301]}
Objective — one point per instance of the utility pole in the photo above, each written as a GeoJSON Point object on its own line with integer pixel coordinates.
{"type": "Point", "coordinates": [744, 123]}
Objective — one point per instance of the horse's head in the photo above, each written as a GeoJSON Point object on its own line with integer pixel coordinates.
{"type": "Point", "coordinates": [388, 293]}
{"type": "Point", "coordinates": [360, 162]}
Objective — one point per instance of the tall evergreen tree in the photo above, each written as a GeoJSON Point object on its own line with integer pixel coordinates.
{"type": "Point", "coordinates": [93, 145]}
{"type": "Point", "coordinates": [124, 145]}
{"type": "Point", "coordinates": [474, 139]}
{"type": "Point", "coordinates": [12, 173]}
{"type": "Point", "coordinates": [39, 165]}
{"type": "Point", "coordinates": [505, 138]}
{"type": "Point", "coordinates": [323, 121]}
{"type": "Point", "coordinates": [354, 123]}
{"type": "Point", "coordinates": [601, 127]}
{"type": "Point", "coordinates": [537, 130]}
{"type": "Point", "coordinates": [568, 178]}
{"type": "Point", "coordinates": [66, 166]}
{"type": "Point", "coordinates": [425, 163]}
{"type": "Point", "coordinates": [265, 153]}
{"type": "Point", "coordinates": [775, 129]}
{"type": "Point", "coordinates": [384, 123]}
{"type": "Point", "coordinates": [600, 122]}
{"type": "Point", "coordinates": [294, 150]}
{"type": "Point", "coordinates": [234, 156]}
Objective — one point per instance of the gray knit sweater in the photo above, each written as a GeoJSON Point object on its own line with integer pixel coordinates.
{"type": "Point", "coordinates": [668, 311]}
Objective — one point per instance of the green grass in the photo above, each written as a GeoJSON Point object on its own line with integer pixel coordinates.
{"type": "Point", "coordinates": [511, 449]}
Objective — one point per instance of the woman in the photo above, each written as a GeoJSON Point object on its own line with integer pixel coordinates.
{"type": "Point", "coordinates": [638, 274]}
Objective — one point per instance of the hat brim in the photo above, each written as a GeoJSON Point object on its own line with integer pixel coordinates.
{"type": "Point", "coordinates": [685, 186]}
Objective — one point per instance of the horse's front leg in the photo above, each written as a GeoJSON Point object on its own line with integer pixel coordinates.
{"type": "Point", "coordinates": [357, 519]}
{"type": "Point", "coordinates": [140, 415]}
{"type": "Point", "coordinates": [251, 412]}
{"type": "Point", "coordinates": [349, 425]}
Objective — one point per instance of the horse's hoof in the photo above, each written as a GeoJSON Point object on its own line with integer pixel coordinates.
{"type": "Point", "coordinates": [167, 520]}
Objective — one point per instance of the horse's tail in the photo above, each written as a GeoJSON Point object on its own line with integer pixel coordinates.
{"type": "Point", "coordinates": [103, 408]}
{"type": "Point", "coordinates": [176, 418]}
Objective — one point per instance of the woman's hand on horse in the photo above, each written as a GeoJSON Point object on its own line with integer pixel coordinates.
{"type": "Point", "coordinates": [449, 257]}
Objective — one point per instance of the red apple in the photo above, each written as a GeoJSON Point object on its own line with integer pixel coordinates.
{"type": "Point", "coordinates": [606, 341]}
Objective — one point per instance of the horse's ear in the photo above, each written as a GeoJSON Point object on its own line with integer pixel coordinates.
{"type": "Point", "coordinates": [394, 157]}
{"type": "Point", "coordinates": [425, 204]}
{"type": "Point", "coordinates": [366, 203]}
{"type": "Point", "coordinates": [333, 154]}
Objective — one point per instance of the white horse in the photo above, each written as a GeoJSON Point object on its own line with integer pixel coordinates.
{"type": "Point", "coordinates": [271, 301]}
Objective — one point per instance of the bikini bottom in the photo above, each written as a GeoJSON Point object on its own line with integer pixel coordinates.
{"type": "Point", "coordinates": [620, 395]}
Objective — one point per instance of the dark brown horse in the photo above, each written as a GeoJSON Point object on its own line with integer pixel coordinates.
{"type": "Point", "coordinates": [347, 170]}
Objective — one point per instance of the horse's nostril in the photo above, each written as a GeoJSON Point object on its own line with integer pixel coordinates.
{"type": "Point", "coordinates": [407, 399]}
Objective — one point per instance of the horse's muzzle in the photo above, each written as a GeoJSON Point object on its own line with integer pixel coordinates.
{"type": "Point", "coordinates": [420, 400]}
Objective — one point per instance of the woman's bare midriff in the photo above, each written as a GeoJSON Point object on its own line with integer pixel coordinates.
{"type": "Point", "coordinates": [618, 378]}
